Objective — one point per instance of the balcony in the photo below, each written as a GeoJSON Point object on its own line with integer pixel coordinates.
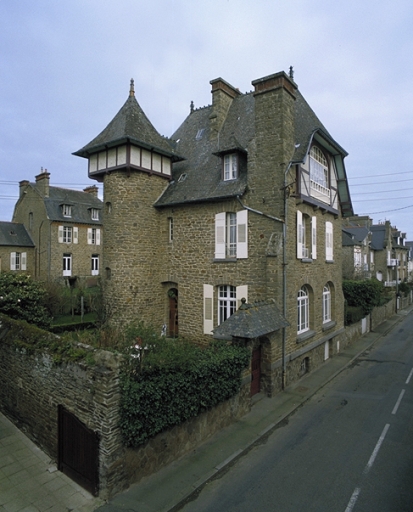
{"type": "Point", "coordinates": [393, 263]}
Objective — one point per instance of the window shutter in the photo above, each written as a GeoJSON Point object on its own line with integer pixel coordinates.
{"type": "Point", "coordinates": [329, 241]}
{"type": "Point", "coordinates": [314, 238]}
{"type": "Point", "coordinates": [98, 237]}
{"type": "Point", "coordinates": [75, 235]}
{"type": "Point", "coordinates": [299, 234]}
{"type": "Point", "coordinates": [242, 234]}
{"type": "Point", "coordinates": [208, 308]}
{"type": "Point", "coordinates": [242, 293]}
{"type": "Point", "coordinates": [220, 235]}
{"type": "Point", "coordinates": [12, 261]}
{"type": "Point", "coordinates": [89, 236]}
{"type": "Point", "coordinates": [60, 234]}
{"type": "Point", "coordinates": [24, 260]}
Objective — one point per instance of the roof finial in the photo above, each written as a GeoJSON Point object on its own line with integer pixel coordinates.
{"type": "Point", "coordinates": [132, 87]}
{"type": "Point", "coordinates": [192, 106]}
{"type": "Point", "coordinates": [291, 73]}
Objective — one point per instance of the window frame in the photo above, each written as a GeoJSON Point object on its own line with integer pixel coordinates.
{"type": "Point", "coordinates": [303, 310]}
{"type": "Point", "coordinates": [67, 210]}
{"type": "Point", "coordinates": [94, 214]}
{"type": "Point", "coordinates": [326, 303]}
{"type": "Point", "coordinates": [227, 302]}
{"type": "Point", "coordinates": [95, 264]}
{"type": "Point", "coordinates": [230, 235]}
{"type": "Point", "coordinates": [319, 170]}
{"type": "Point", "coordinates": [67, 264]}
{"type": "Point", "coordinates": [67, 236]}
{"type": "Point", "coordinates": [230, 166]}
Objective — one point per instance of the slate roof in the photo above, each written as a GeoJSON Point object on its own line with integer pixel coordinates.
{"type": "Point", "coordinates": [378, 236]}
{"type": "Point", "coordinates": [14, 234]}
{"type": "Point", "coordinates": [251, 321]}
{"type": "Point", "coordinates": [129, 125]}
{"type": "Point", "coordinates": [81, 202]}
{"type": "Point", "coordinates": [355, 235]}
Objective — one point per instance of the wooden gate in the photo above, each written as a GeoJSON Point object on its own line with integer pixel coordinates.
{"type": "Point", "coordinates": [255, 371]}
{"type": "Point", "coordinates": [78, 455]}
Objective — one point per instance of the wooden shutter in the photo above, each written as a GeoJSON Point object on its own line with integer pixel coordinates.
{"type": "Point", "coordinates": [314, 238]}
{"type": "Point", "coordinates": [329, 241]}
{"type": "Point", "coordinates": [208, 308]}
{"type": "Point", "coordinates": [60, 234]}
{"type": "Point", "coordinates": [220, 235]}
{"type": "Point", "coordinates": [98, 237]}
{"type": "Point", "coordinates": [12, 261]}
{"type": "Point", "coordinates": [242, 293]}
{"type": "Point", "coordinates": [299, 234]}
{"type": "Point", "coordinates": [23, 261]}
{"type": "Point", "coordinates": [242, 234]}
{"type": "Point", "coordinates": [75, 235]}
{"type": "Point", "coordinates": [89, 236]}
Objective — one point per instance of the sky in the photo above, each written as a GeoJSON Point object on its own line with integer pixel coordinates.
{"type": "Point", "coordinates": [65, 70]}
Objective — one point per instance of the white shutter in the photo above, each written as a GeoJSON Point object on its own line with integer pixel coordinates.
{"type": "Point", "coordinates": [60, 234]}
{"type": "Point", "coordinates": [12, 261]}
{"type": "Point", "coordinates": [75, 235]}
{"type": "Point", "coordinates": [89, 236]}
{"type": "Point", "coordinates": [314, 238]}
{"type": "Point", "coordinates": [208, 308]}
{"type": "Point", "coordinates": [242, 293]}
{"type": "Point", "coordinates": [98, 237]}
{"type": "Point", "coordinates": [299, 234]}
{"type": "Point", "coordinates": [24, 261]}
{"type": "Point", "coordinates": [220, 235]}
{"type": "Point", "coordinates": [329, 241]}
{"type": "Point", "coordinates": [242, 234]}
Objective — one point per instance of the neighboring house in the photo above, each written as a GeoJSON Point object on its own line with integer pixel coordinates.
{"type": "Point", "coordinates": [66, 228]}
{"type": "Point", "coordinates": [244, 202]}
{"type": "Point", "coordinates": [391, 253]}
{"type": "Point", "coordinates": [409, 246]}
{"type": "Point", "coordinates": [358, 256]}
{"type": "Point", "coordinates": [16, 248]}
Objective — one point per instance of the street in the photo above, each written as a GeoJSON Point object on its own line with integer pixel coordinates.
{"type": "Point", "coordinates": [350, 448]}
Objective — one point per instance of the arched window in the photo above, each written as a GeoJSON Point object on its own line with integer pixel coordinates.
{"type": "Point", "coordinates": [303, 310]}
{"type": "Point", "coordinates": [227, 302]}
{"type": "Point", "coordinates": [326, 303]}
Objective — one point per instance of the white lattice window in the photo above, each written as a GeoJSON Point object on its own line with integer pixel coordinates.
{"type": "Point", "coordinates": [231, 239]}
{"type": "Point", "coordinates": [319, 171]}
{"type": "Point", "coordinates": [230, 167]}
{"type": "Point", "coordinates": [303, 310]}
{"type": "Point", "coordinates": [326, 303]}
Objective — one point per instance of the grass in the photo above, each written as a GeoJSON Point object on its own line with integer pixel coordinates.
{"type": "Point", "coordinates": [76, 319]}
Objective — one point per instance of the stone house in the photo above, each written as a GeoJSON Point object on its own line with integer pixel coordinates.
{"type": "Point", "coordinates": [16, 248]}
{"type": "Point", "coordinates": [409, 246]}
{"type": "Point", "coordinates": [244, 201]}
{"type": "Point", "coordinates": [391, 253]}
{"type": "Point", "coordinates": [66, 228]}
{"type": "Point", "coordinates": [358, 256]}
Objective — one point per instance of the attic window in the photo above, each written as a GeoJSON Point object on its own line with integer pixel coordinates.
{"type": "Point", "coordinates": [67, 210]}
{"type": "Point", "coordinates": [13, 233]}
{"type": "Point", "coordinates": [94, 213]}
{"type": "Point", "coordinates": [182, 177]}
{"type": "Point", "coordinates": [230, 166]}
{"type": "Point", "coordinates": [200, 133]}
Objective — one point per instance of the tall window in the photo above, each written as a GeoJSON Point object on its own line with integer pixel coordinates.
{"type": "Point", "coordinates": [67, 264]}
{"type": "Point", "coordinates": [170, 229]}
{"type": "Point", "coordinates": [230, 167]}
{"type": "Point", "coordinates": [326, 303]}
{"type": "Point", "coordinates": [67, 235]}
{"type": "Point", "coordinates": [306, 236]}
{"type": "Point", "coordinates": [231, 235]}
{"type": "Point", "coordinates": [93, 236]}
{"type": "Point", "coordinates": [329, 241]}
{"type": "Point", "coordinates": [227, 302]}
{"type": "Point", "coordinates": [302, 310]}
{"type": "Point", "coordinates": [94, 213]}
{"type": "Point", "coordinates": [319, 171]}
{"type": "Point", "coordinates": [95, 264]}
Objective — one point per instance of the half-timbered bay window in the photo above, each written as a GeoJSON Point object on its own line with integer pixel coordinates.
{"type": "Point", "coordinates": [319, 179]}
{"type": "Point", "coordinates": [306, 236]}
{"type": "Point", "coordinates": [303, 308]}
{"type": "Point", "coordinates": [231, 240]}
{"type": "Point", "coordinates": [230, 166]}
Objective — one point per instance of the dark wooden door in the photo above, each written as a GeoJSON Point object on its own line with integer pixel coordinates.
{"type": "Point", "coordinates": [173, 328]}
{"type": "Point", "coordinates": [78, 451]}
{"type": "Point", "coordinates": [255, 371]}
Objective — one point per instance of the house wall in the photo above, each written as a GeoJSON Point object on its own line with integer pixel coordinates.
{"type": "Point", "coordinates": [5, 252]}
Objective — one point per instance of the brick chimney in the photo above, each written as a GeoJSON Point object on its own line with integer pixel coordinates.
{"type": "Point", "coordinates": [222, 95]}
{"type": "Point", "coordinates": [93, 189]}
{"type": "Point", "coordinates": [22, 186]}
{"type": "Point", "coordinates": [42, 182]}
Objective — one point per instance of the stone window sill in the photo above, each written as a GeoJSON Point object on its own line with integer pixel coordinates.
{"type": "Point", "coordinates": [329, 325]}
{"type": "Point", "coordinates": [304, 336]}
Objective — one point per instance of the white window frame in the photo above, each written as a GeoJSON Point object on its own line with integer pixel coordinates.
{"type": "Point", "coordinates": [303, 310]}
{"type": "Point", "coordinates": [329, 241]}
{"type": "Point", "coordinates": [230, 166]}
{"type": "Point", "coordinates": [65, 234]}
{"type": "Point", "coordinates": [227, 302]}
{"type": "Point", "coordinates": [303, 251]}
{"type": "Point", "coordinates": [231, 235]}
{"type": "Point", "coordinates": [93, 236]}
{"type": "Point", "coordinates": [95, 264]}
{"type": "Point", "coordinates": [94, 214]}
{"type": "Point", "coordinates": [67, 265]}
{"type": "Point", "coordinates": [67, 210]}
{"type": "Point", "coordinates": [319, 174]}
{"type": "Point", "coordinates": [326, 303]}
{"type": "Point", "coordinates": [18, 261]}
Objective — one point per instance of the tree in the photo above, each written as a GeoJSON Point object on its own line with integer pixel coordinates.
{"type": "Point", "coordinates": [23, 299]}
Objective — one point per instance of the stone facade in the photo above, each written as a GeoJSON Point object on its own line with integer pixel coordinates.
{"type": "Point", "coordinates": [16, 249]}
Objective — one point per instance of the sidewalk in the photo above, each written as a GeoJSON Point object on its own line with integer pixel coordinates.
{"type": "Point", "coordinates": [167, 490]}
{"type": "Point", "coordinates": [30, 481]}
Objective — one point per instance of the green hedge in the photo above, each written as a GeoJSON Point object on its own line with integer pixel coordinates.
{"type": "Point", "coordinates": [175, 381]}
{"type": "Point", "coordinates": [363, 294]}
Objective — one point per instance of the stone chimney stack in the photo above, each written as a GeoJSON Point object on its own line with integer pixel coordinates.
{"type": "Point", "coordinates": [22, 186]}
{"type": "Point", "coordinates": [222, 95]}
{"type": "Point", "coordinates": [42, 182]}
{"type": "Point", "coordinates": [93, 189]}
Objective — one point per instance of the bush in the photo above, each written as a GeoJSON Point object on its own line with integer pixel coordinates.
{"type": "Point", "coordinates": [170, 381]}
{"type": "Point", "coordinates": [353, 315]}
{"type": "Point", "coordinates": [364, 294]}
{"type": "Point", "coordinates": [23, 299]}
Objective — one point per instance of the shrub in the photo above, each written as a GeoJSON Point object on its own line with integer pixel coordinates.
{"type": "Point", "coordinates": [23, 299]}
{"type": "Point", "coordinates": [365, 294]}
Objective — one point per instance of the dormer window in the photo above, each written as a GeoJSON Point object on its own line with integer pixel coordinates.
{"type": "Point", "coordinates": [67, 210]}
{"type": "Point", "coordinates": [230, 166]}
{"type": "Point", "coordinates": [94, 213]}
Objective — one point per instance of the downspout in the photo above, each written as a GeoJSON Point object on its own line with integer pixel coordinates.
{"type": "Point", "coordinates": [258, 212]}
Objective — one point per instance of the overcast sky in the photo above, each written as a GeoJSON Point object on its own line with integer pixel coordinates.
{"type": "Point", "coordinates": [65, 69]}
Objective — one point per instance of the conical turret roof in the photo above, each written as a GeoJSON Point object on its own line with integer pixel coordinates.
{"type": "Point", "coordinates": [129, 125]}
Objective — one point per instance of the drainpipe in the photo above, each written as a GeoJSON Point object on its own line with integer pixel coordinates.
{"type": "Point", "coordinates": [258, 212]}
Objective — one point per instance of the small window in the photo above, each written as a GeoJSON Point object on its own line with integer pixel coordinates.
{"type": "Point", "coordinates": [95, 264]}
{"type": "Point", "coordinates": [67, 210]}
{"type": "Point", "coordinates": [93, 236]}
{"type": "Point", "coordinates": [18, 261]}
{"type": "Point", "coordinates": [108, 207]}
{"type": "Point", "coordinates": [230, 167]}
{"type": "Point", "coordinates": [67, 235]}
{"type": "Point", "coordinates": [170, 229]}
{"type": "Point", "coordinates": [94, 213]}
{"type": "Point", "coordinates": [31, 221]}
{"type": "Point", "coordinates": [200, 133]}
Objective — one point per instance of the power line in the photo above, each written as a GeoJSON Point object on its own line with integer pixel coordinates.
{"type": "Point", "coordinates": [387, 211]}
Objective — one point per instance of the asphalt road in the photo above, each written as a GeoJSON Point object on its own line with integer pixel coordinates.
{"type": "Point", "coordinates": [348, 449]}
